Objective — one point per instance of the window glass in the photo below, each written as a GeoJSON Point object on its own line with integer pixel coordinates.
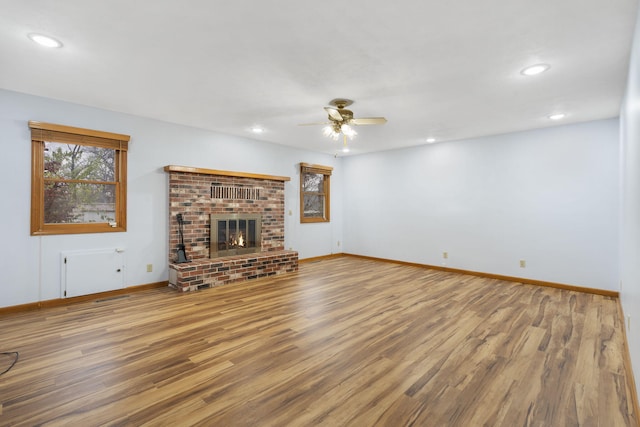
{"type": "Point", "coordinates": [67, 161]}
{"type": "Point", "coordinates": [70, 202]}
{"type": "Point", "coordinates": [313, 206]}
{"type": "Point", "coordinates": [313, 182]}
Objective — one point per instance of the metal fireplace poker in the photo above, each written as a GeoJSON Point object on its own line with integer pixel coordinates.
{"type": "Point", "coordinates": [182, 255]}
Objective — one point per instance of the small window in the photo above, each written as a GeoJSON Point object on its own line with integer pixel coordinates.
{"type": "Point", "coordinates": [78, 180]}
{"type": "Point", "coordinates": [314, 193]}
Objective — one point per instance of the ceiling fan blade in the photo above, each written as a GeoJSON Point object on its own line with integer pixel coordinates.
{"type": "Point", "coordinates": [334, 113]}
{"type": "Point", "coordinates": [314, 124]}
{"type": "Point", "coordinates": [368, 121]}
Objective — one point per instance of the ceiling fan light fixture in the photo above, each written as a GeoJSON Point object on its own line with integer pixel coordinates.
{"type": "Point", "coordinates": [534, 70]}
{"type": "Point", "coordinates": [45, 41]}
{"type": "Point", "coordinates": [348, 131]}
{"type": "Point", "coordinates": [331, 132]}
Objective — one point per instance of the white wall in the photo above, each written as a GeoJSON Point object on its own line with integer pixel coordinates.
{"type": "Point", "coordinates": [31, 264]}
{"type": "Point", "coordinates": [547, 196]}
{"type": "Point", "coordinates": [630, 204]}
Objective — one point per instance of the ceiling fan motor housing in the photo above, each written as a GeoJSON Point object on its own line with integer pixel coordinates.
{"type": "Point", "coordinates": [340, 103]}
{"type": "Point", "coordinates": [346, 115]}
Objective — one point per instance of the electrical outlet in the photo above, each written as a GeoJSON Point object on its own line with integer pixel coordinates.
{"type": "Point", "coordinates": [445, 255]}
{"type": "Point", "coordinates": [523, 263]}
{"type": "Point", "coordinates": [149, 268]}
{"type": "Point", "coordinates": [290, 212]}
{"type": "Point", "coordinates": [338, 243]}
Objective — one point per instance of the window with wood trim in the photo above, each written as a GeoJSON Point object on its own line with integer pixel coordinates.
{"type": "Point", "coordinates": [78, 180]}
{"type": "Point", "coordinates": [315, 203]}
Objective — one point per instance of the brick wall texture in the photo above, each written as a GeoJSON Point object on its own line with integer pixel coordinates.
{"type": "Point", "coordinates": [190, 195]}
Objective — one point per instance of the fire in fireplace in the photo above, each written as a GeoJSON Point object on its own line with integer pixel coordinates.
{"type": "Point", "coordinates": [235, 234]}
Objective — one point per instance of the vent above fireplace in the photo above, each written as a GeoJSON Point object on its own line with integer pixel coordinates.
{"type": "Point", "coordinates": [231, 192]}
{"type": "Point", "coordinates": [235, 234]}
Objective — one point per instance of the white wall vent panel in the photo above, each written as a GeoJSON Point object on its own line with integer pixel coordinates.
{"type": "Point", "coordinates": [89, 272]}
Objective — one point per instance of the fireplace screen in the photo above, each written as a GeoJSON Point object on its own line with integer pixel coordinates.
{"type": "Point", "coordinates": [234, 234]}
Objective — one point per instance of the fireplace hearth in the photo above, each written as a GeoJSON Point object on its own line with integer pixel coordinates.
{"type": "Point", "coordinates": [235, 234]}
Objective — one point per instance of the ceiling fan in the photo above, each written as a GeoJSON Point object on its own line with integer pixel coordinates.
{"type": "Point", "coordinates": [341, 120]}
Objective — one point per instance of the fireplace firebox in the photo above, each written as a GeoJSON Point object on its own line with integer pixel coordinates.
{"type": "Point", "coordinates": [235, 234]}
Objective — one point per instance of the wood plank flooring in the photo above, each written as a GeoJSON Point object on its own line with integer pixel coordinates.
{"type": "Point", "coordinates": [343, 342]}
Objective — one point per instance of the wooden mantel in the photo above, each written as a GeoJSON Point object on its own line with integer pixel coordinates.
{"type": "Point", "coordinates": [188, 169]}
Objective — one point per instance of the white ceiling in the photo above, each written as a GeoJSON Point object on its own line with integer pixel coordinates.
{"type": "Point", "coordinates": [447, 69]}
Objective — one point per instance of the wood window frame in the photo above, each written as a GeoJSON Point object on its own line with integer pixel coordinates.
{"type": "Point", "coordinates": [47, 132]}
{"type": "Point", "coordinates": [326, 191]}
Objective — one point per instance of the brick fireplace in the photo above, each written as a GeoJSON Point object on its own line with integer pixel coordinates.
{"type": "Point", "coordinates": [200, 194]}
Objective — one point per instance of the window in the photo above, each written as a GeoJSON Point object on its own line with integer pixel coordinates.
{"type": "Point", "coordinates": [78, 180]}
{"type": "Point", "coordinates": [314, 193]}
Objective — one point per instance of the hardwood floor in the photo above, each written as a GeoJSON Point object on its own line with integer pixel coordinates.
{"type": "Point", "coordinates": [345, 341]}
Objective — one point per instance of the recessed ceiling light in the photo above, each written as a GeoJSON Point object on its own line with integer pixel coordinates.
{"type": "Point", "coordinates": [430, 140]}
{"type": "Point", "coordinates": [535, 69]}
{"type": "Point", "coordinates": [345, 150]}
{"type": "Point", "coordinates": [43, 40]}
{"type": "Point", "coordinates": [558, 116]}
{"type": "Point", "coordinates": [257, 129]}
